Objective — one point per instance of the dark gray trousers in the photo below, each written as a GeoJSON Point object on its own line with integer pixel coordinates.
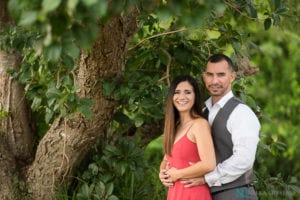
{"type": "Point", "coordinates": [241, 193]}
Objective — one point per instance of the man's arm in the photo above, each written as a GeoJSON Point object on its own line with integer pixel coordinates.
{"type": "Point", "coordinates": [191, 182]}
{"type": "Point", "coordinates": [244, 128]}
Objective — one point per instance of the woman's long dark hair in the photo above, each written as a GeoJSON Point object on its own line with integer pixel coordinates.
{"type": "Point", "coordinates": [172, 115]}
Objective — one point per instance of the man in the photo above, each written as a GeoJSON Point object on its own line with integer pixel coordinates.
{"type": "Point", "coordinates": [235, 131]}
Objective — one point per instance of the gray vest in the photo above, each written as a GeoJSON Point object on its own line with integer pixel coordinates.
{"type": "Point", "coordinates": [223, 144]}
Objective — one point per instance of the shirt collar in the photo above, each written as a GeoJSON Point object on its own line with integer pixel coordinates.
{"type": "Point", "coordinates": [219, 103]}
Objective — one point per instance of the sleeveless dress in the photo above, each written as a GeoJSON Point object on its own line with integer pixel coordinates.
{"type": "Point", "coordinates": [183, 152]}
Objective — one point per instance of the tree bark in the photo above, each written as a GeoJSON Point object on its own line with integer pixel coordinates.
{"type": "Point", "coordinates": [67, 141]}
{"type": "Point", "coordinates": [16, 136]}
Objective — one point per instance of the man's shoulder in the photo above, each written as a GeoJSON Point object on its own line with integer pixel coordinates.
{"type": "Point", "coordinates": [238, 100]}
{"type": "Point", "coordinates": [241, 106]}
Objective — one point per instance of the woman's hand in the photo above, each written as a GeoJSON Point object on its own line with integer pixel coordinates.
{"type": "Point", "coordinates": [173, 174]}
{"type": "Point", "coordinates": [164, 178]}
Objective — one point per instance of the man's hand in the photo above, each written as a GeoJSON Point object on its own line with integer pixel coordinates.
{"type": "Point", "coordinates": [164, 178]}
{"type": "Point", "coordinates": [191, 182]}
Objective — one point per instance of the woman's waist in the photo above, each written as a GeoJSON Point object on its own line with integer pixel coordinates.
{"type": "Point", "coordinates": [179, 164]}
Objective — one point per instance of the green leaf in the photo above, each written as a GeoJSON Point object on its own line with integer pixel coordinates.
{"type": "Point", "coordinates": [295, 188]}
{"type": "Point", "coordinates": [139, 121]}
{"type": "Point", "coordinates": [108, 87]}
{"type": "Point", "coordinates": [148, 103]}
{"type": "Point", "coordinates": [96, 197]}
{"type": "Point", "coordinates": [100, 9]}
{"type": "Point", "coordinates": [53, 93]}
{"type": "Point", "coordinates": [53, 52]}
{"type": "Point", "coordinates": [85, 35]}
{"type": "Point", "coordinates": [94, 168]}
{"type": "Point", "coordinates": [63, 111]}
{"type": "Point", "coordinates": [71, 5]}
{"type": "Point", "coordinates": [86, 111]}
{"type": "Point", "coordinates": [267, 23]}
{"type": "Point", "coordinates": [276, 19]}
{"type": "Point", "coordinates": [87, 102]}
{"type": "Point", "coordinates": [89, 2]}
{"type": "Point", "coordinates": [36, 103]}
{"type": "Point", "coordinates": [14, 8]}
{"type": "Point", "coordinates": [113, 197]}
{"type": "Point", "coordinates": [121, 118]}
{"type": "Point", "coordinates": [28, 18]}
{"type": "Point", "coordinates": [50, 5]}
{"type": "Point", "coordinates": [252, 11]}
{"type": "Point", "coordinates": [72, 50]}
{"type": "Point", "coordinates": [51, 102]}
{"type": "Point", "coordinates": [282, 9]}
{"type": "Point", "coordinates": [122, 168]}
{"type": "Point", "coordinates": [48, 116]}
{"type": "Point", "coordinates": [110, 188]}
{"type": "Point", "coordinates": [101, 186]}
{"type": "Point", "coordinates": [236, 45]}
{"type": "Point", "coordinates": [85, 190]}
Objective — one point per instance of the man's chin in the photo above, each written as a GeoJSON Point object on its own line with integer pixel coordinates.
{"type": "Point", "coordinates": [214, 93]}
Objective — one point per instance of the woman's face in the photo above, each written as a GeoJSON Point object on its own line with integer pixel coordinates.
{"type": "Point", "coordinates": [184, 97]}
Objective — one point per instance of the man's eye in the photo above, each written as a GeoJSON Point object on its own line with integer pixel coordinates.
{"type": "Point", "coordinates": [221, 75]}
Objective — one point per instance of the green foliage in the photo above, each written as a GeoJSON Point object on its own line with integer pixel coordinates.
{"type": "Point", "coordinates": [96, 191]}
{"type": "Point", "coordinates": [120, 173]}
{"type": "Point", "coordinates": [272, 183]}
{"type": "Point", "coordinates": [19, 189]}
{"type": "Point", "coordinates": [175, 38]}
{"type": "Point", "coordinates": [187, 52]}
{"type": "Point", "coordinates": [3, 114]}
{"type": "Point", "coordinates": [141, 97]}
{"type": "Point", "coordinates": [49, 37]}
{"type": "Point", "coordinates": [277, 91]}
{"type": "Point", "coordinates": [51, 89]}
{"type": "Point", "coordinates": [49, 85]}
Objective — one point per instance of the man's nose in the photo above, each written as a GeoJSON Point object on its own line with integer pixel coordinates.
{"type": "Point", "coordinates": [214, 79]}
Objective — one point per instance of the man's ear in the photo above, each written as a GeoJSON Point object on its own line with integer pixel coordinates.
{"type": "Point", "coordinates": [233, 76]}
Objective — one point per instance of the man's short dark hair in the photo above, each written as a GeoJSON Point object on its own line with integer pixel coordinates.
{"type": "Point", "coordinates": [220, 57]}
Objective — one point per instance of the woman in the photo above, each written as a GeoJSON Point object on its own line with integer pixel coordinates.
{"type": "Point", "coordinates": [188, 146]}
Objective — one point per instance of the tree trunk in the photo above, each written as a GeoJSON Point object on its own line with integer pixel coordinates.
{"type": "Point", "coordinates": [67, 141]}
{"type": "Point", "coordinates": [16, 136]}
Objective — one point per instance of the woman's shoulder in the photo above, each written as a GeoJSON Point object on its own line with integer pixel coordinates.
{"type": "Point", "coordinates": [200, 122]}
{"type": "Point", "coordinates": [200, 128]}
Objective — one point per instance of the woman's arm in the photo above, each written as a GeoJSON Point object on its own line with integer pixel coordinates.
{"type": "Point", "coordinates": [200, 133]}
{"type": "Point", "coordinates": [164, 163]}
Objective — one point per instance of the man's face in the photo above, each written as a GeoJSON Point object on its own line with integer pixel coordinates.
{"type": "Point", "coordinates": [218, 78]}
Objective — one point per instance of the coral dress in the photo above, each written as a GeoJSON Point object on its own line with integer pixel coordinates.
{"type": "Point", "coordinates": [183, 152]}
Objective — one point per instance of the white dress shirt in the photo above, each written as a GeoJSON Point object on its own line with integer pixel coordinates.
{"type": "Point", "coordinates": [244, 127]}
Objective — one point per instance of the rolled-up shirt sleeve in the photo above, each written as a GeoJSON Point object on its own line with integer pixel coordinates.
{"type": "Point", "coordinates": [244, 128]}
